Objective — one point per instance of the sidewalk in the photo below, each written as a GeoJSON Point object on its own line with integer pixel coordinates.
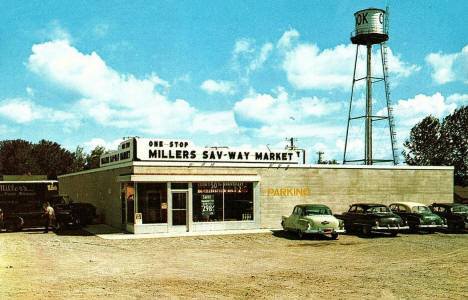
{"type": "Point", "coordinates": [110, 233]}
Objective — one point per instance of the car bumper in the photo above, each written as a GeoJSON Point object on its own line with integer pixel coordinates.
{"type": "Point", "coordinates": [324, 231]}
{"type": "Point", "coordinates": [389, 228]}
{"type": "Point", "coordinates": [431, 226]}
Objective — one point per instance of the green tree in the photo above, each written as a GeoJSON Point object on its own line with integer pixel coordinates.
{"type": "Point", "coordinates": [423, 145]}
{"type": "Point", "coordinates": [93, 159]}
{"type": "Point", "coordinates": [52, 159]}
{"type": "Point", "coordinates": [446, 143]}
{"type": "Point", "coordinates": [454, 141]}
{"type": "Point", "coordinates": [16, 157]}
{"type": "Point", "coordinates": [80, 160]}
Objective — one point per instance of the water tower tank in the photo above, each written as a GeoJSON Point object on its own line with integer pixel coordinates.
{"type": "Point", "coordinates": [370, 27]}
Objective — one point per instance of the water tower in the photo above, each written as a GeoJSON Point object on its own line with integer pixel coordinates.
{"type": "Point", "coordinates": [371, 29]}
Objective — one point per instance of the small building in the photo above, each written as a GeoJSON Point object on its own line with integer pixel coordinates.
{"type": "Point", "coordinates": [159, 185]}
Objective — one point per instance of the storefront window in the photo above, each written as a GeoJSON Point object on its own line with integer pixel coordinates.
{"type": "Point", "coordinates": [130, 198]}
{"type": "Point", "coordinates": [222, 201]}
{"type": "Point", "coordinates": [152, 202]}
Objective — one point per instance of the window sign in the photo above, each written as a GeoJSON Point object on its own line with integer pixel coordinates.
{"type": "Point", "coordinates": [207, 204]}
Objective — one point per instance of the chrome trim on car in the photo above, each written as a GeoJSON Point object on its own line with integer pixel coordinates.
{"type": "Point", "coordinates": [325, 231]}
{"type": "Point", "coordinates": [432, 226]}
{"type": "Point", "coordinates": [390, 228]}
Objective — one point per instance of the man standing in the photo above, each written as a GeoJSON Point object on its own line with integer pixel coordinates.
{"type": "Point", "coordinates": [49, 214]}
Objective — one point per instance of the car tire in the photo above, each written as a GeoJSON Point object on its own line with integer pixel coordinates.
{"type": "Point", "coordinates": [334, 236]}
{"type": "Point", "coordinates": [300, 234]}
{"type": "Point", "coordinates": [366, 230]}
{"type": "Point", "coordinates": [395, 233]}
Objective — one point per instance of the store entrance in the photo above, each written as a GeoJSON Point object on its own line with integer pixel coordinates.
{"type": "Point", "coordinates": [179, 210]}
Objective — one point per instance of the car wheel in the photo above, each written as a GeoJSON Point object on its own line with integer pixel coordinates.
{"type": "Point", "coordinates": [366, 230]}
{"type": "Point", "coordinates": [334, 236]}
{"type": "Point", "coordinates": [395, 233]}
{"type": "Point", "coordinates": [300, 234]}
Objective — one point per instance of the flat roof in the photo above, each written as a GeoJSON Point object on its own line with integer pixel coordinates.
{"type": "Point", "coordinates": [255, 166]}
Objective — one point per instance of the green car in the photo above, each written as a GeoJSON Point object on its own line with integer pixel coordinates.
{"type": "Point", "coordinates": [312, 219]}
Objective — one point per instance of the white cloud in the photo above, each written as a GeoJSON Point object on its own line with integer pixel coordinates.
{"type": "Point", "coordinates": [110, 98]}
{"type": "Point", "coordinates": [287, 38]}
{"type": "Point", "coordinates": [262, 56]}
{"type": "Point", "coordinates": [95, 142]}
{"type": "Point", "coordinates": [243, 45]}
{"type": "Point", "coordinates": [55, 31]}
{"type": "Point", "coordinates": [247, 57]}
{"type": "Point", "coordinates": [24, 111]}
{"type": "Point", "coordinates": [449, 67]}
{"type": "Point", "coordinates": [461, 99]}
{"type": "Point", "coordinates": [308, 67]}
{"type": "Point", "coordinates": [223, 87]}
{"type": "Point", "coordinates": [411, 111]}
{"type": "Point", "coordinates": [266, 109]}
{"type": "Point", "coordinates": [215, 123]}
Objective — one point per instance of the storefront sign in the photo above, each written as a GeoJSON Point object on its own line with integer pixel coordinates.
{"type": "Point", "coordinates": [207, 204]}
{"type": "Point", "coordinates": [181, 150]}
{"type": "Point", "coordinates": [222, 187]}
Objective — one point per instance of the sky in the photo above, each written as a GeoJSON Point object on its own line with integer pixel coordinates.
{"type": "Point", "coordinates": [222, 73]}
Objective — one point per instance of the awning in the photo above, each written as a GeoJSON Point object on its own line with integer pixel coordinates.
{"type": "Point", "coordinates": [187, 177]}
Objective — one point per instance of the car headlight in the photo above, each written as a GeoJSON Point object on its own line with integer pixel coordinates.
{"type": "Point", "coordinates": [377, 223]}
{"type": "Point", "coordinates": [444, 220]}
{"type": "Point", "coordinates": [308, 225]}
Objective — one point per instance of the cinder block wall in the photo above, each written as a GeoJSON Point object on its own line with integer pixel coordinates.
{"type": "Point", "coordinates": [99, 188]}
{"type": "Point", "coordinates": [338, 188]}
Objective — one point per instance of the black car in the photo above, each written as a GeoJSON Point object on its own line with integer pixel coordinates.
{"type": "Point", "coordinates": [84, 213]}
{"type": "Point", "coordinates": [456, 215]}
{"type": "Point", "coordinates": [31, 215]}
{"type": "Point", "coordinates": [366, 218]}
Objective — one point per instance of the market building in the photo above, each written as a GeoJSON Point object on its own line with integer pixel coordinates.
{"type": "Point", "coordinates": [158, 186]}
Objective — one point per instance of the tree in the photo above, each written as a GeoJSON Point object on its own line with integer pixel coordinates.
{"type": "Point", "coordinates": [433, 143]}
{"type": "Point", "coordinates": [423, 145]}
{"type": "Point", "coordinates": [93, 159]}
{"type": "Point", "coordinates": [16, 157]}
{"type": "Point", "coordinates": [80, 160]}
{"type": "Point", "coordinates": [454, 140]}
{"type": "Point", "coordinates": [52, 159]}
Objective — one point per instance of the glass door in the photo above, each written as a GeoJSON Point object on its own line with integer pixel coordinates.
{"type": "Point", "coordinates": [179, 208]}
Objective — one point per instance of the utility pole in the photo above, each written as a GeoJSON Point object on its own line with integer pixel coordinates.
{"type": "Point", "coordinates": [320, 153]}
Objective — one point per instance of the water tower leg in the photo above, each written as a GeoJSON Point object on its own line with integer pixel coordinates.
{"type": "Point", "coordinates": [368, 135]}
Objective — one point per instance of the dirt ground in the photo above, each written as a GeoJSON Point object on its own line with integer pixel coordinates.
{"type": "Point", "coordinates": [76, 265]}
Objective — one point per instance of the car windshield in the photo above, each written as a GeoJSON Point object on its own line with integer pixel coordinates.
{"type": "Point", "coordinates": [379, 209]}
{"type": "Point", "coordinates": [460, 209]}
{"type": "Point", "coordinates": [421, 209]}
{"type": "Point", "coordinates": [317, 211]}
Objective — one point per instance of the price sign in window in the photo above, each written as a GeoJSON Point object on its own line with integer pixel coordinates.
{"type": "Point", "coordinates": [207, 204]}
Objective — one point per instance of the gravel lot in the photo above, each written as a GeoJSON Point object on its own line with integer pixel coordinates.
{"type": "Point", "coordinates": [78, 265]}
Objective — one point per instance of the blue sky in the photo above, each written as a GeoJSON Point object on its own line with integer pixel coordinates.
{"type": "Point", "coordinates": [226, 73]}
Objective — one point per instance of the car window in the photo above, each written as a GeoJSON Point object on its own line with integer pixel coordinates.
{"type": "Point", "coordinates": [393, 207]}
{"type": "Point", "coordinates": [317, 211]}
{"type": "Point", "coordinates": [402, 208]}
{"type": "Point", "coordinates": [421, 209]}
{"type": "Point", "coordinates": [359, 209]}
{"type": "Point", "coordinates": [460, 208]}
{"type": "Point", "coordinates": [352, 208]}
{"type": "Point", "coordinates": [379, 209]}
{"type": "Point", "coordinates": [299, 211]}
{"type": "Point", "coordinates": [440, 208]}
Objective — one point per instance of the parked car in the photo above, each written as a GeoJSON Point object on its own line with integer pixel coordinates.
{"type": "Point", "coordinates": [366, 218]}
{"type": "Point", "coordinates": [84, 212]}
{"type": "Point", "coordinates": [456, 215]}
{"type": "Point", "coordinates": [312, 219]}
{"type": "Point", "coordinates": [418, 216]}
{"type": "Point", "coordinates": [31, 215]}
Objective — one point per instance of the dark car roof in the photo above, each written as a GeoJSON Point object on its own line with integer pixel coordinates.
{"type": "Point", "coordinates": [447, 204]}
{"type": "Point", "coordinates": [309, 205]}
{"type": "Point", "coordinates": [369, 204]}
